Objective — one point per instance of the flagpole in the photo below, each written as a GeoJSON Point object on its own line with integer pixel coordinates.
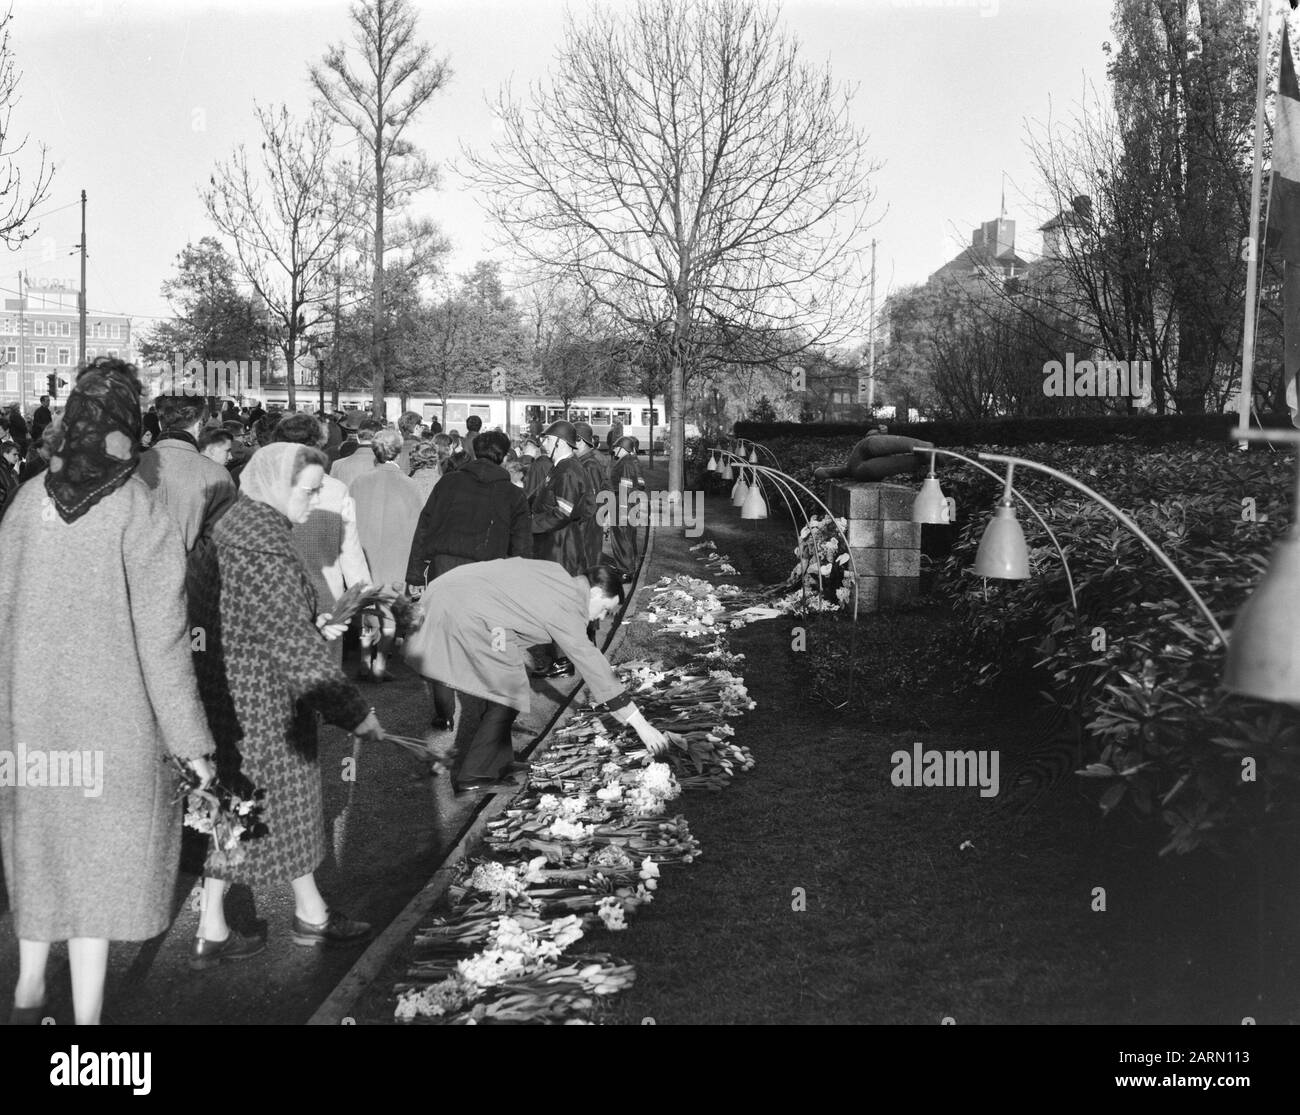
{"type": "Point", "coordinates": [1252, 240]}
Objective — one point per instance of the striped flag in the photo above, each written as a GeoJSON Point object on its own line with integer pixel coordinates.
{"type": "Point", "coordinates": [1284, 217]}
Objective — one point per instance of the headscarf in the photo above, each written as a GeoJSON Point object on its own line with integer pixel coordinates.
{"type": "Point", "coordinates": [97, 446]}
{"type": "Point", "coordinates": [268, 475]}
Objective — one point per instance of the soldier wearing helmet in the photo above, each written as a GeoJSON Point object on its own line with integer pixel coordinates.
{"type": "Point", "coordinates": [561, 511]}
{"type": "Point", "coordinates": [595, 469]}
{"type": "Point", "coordinates": [625, 478]}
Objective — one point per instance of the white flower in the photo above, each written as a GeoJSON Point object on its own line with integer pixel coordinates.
{"type": "Point", "coordinates": [569, 830]}
{"type": "Point", "coordinates": [572, 808]}
{"type": "Point", "coordinates": [611, 793]}
{"type": "Point", "coordinates": [549, 803]}
{"type": "Point", "coordinates": [611, 912]}
{"type": "Point", "coordinates": [649, 869]}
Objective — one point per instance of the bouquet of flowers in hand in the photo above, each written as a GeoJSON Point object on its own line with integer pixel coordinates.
{"type": "Point", "coordinates": [231, 816]}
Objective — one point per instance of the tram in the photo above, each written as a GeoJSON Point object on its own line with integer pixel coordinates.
{"type": "Point", "coordinates": [516, 414]}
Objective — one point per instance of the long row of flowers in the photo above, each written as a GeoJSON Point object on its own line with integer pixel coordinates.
{"type": "Point", "coordinates": [584, 844]}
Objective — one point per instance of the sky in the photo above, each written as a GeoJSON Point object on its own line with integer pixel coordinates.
{"type": "Point", "coordinates": [136, 102]}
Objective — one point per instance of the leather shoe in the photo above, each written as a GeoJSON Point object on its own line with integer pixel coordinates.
{"type": "Point", "coordinates": [208, 954]}
{"type": "Point", "coordinates": [467, 786]}
{"type": "Point", "coordinates": [560, 668]}
{"type": "Point", "coordinates": [27, 1016]}
{"type": "Point", "coordinates": [335, 930]}
{"type": "Point", "coordinates": [439, 724]}
{"type": "Point", "coordinates": [517, 767]}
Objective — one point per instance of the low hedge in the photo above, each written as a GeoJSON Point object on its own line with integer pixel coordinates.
{"type": "Point", "coordinates": [1148, 429]}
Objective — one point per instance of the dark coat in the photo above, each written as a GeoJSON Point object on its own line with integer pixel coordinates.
{"type": "Point", "coordinates": [599, 481]}
{"type": "Point", "coordinates": [560, 516]}
{"type": "Point", "coordinates": [18, 429]}
{"type": "Point", "coordinates": [625, 477]}
{"type": "Point", "coordinates": [539, 469]}
{"type": "Point", "coordinates": [264, 673]}
{"type": "Point", "coordinates": [8, 486]}
{"type": "Point", "coordinates": [40, 420]}
{"type": "Point", "coordinates": [472, 514]}
{"type": "Point", "coordinates": [34, 465]}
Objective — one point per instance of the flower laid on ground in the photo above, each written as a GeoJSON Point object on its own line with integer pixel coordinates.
{"type": "Point", "coordinates": [569, 830]}
{"type": "Point", "coordinates": [505, 883]}
{"type": "Point", "coordinates": [611, 912]}
{"type": "Point", "coordinates": [588, 835]}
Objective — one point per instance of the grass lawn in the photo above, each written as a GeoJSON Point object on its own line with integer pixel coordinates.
{"type": "Point", "coordinates": [901, 923]}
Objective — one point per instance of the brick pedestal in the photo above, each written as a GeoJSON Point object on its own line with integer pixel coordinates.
{"type": "Point", "coordinates": [885, 543]}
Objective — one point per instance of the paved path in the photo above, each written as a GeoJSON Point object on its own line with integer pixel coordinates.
{"type": "Point", "coordinates": [391, 828]}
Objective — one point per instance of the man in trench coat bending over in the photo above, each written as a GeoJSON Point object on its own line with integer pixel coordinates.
{"type": "Point", "coordinates": [478, 621]}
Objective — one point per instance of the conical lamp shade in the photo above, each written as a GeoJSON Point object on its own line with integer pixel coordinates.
{"type": "Point", "coordinates": [739, 492]}
{"type": "Point", "coordinates": [727, 471]}
{"type": "Point", "coordinates": [753, 455]}
{"type": "Point", "coordinates": [1264, 650]}
{"type": "Point", "coordinates": [1003, 553]}
{"type": "Point", "coordinates": [930, 506]}
{"type": "Point", "coordinates": [713, 462]}
{"type": "Point", "coordinates": [754, 507]}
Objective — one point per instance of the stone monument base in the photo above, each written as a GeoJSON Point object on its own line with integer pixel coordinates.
{"type": "Point", "coordinates": [884, 542]}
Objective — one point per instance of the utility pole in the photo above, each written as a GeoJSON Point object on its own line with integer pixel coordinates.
{"type": "Point", "coordinates": [81, 298]}
{"type": "Point", "coordinates": [871, 359]}
{"type": "Point", "coordinates": [22, 346]}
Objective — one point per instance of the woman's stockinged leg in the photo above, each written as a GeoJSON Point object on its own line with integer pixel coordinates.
{"type": "Point", "coordinates": [32, 958]}
{"type": "Point", "coordinates": [88, 961]}
{"type": "Point", "coordinates": [307, 901]}
{"type": "Point", "coordinates": [212, 915]}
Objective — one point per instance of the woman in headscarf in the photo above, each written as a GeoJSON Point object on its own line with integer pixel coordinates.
{"type": "Point", "coordinates": [91, 832]}
{"type": "Point", "coordinates": [264, 674]}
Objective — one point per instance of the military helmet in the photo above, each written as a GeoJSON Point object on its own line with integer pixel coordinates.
{"type": "Point", "coordinates": [564, 431]}
{"type": "Point", "coordinates": [584, 431]}
{"type": "Point", "coordinates": [628, 443]}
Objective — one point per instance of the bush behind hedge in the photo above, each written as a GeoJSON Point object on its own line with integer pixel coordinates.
{"type": "Point", "coordinates": [1148, 429]}
{"type": "Point", "coordinates": [1141, 662]}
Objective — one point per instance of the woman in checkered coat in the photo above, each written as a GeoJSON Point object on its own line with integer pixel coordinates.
{"type": "Point", "coordinates": [264, 673]}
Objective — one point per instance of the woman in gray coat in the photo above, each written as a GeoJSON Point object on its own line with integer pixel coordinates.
{"type": "Point", "coordinates": [90, 824]}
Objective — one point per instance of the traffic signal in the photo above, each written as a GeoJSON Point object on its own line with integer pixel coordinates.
{"type": "Point", "coordinates": [51, 385]}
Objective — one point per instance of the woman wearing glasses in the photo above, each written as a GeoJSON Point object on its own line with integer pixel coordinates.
{"type": "Point", "coordinates": [264, 673]}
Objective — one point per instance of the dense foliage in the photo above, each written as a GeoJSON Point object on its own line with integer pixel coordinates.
{"type": "Point", "coordinates": [1140, 661]}
{"type": "Point", "coordinates": [1140, 664]}
{"type": "Point", "coordinates": [1079, 430]}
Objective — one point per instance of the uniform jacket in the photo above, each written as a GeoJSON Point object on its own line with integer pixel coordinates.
{"type": "Point", "coordinates": [599, 480]}
{"type": "Point", "coordinates": [560, 515]}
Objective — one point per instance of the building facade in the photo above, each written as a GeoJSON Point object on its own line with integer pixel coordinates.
{"type": "Point", "coordinates": [40, 335]}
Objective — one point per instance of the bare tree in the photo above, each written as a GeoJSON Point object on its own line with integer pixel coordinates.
{"type": "Point", "coordinates": [395, 77]}
{"type": "Point", "coordinates": [15, 205]}
{"type": "Point", "coordinates": [285, 219]}
{"type": "Point", "coordinates": [689, 171]}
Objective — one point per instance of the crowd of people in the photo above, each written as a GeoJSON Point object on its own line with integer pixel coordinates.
{"type": "Point", "coordinates": [218, 547]}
